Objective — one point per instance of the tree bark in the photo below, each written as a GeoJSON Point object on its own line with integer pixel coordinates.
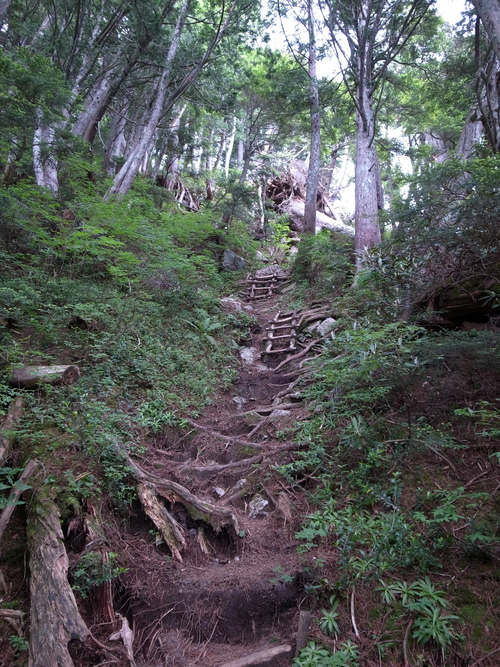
{"type": "Point", "coordinates": [54, 620]}
{"type": "Point", "coordinates": [367, 229]}
{"type": "Point", "coordinates": [4, 8]}
{"type": "Point", "coordinates": [116, 144]}
{"type": "Point", "coordinates": [44, 161]}
{"type": "Point", "coordinates": [314, 151]}
{"type": "Point", "coordinates": [489, 13]}
{"type": "Point", "coordinates": [173, 150]}
{"type": "Point", "coordinates": [229, 150]}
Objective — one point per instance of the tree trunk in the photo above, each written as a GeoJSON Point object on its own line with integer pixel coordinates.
{"type": "Point", "coordinates": [4, 8]}
{"type": "Point", "coordinates": [489, 13]}
{"type": "Point", "coordinates": [116, 144]}
{"type": "Point", "coordinates": [44, 162]}
{"type": "Point", "coordinates": [230, 147]}
{"type": "Point", "coordinates": [173, 150]}
{"type": "Point", "coordinates": [127, 173]}
{"type": "Point", "coordinates": [367, 229]}
{"type": "Point", "coordinates": [471, 134]}
{"type": "Point", "coordinates": [314, 152]}
{"type": "Point", "coordinates": [54, 620]}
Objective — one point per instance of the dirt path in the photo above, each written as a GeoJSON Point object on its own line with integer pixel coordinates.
{"type": "Point", "coordinates": [232, 595]}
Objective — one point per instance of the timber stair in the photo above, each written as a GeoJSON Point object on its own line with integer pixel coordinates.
{"type": "Point", "coordinates": [259, 287]}
{"type": "Point", "coordinates": [281, 334]}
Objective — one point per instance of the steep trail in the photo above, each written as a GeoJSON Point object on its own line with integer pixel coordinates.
{"type": "Point", "coordinates": [235, 595]}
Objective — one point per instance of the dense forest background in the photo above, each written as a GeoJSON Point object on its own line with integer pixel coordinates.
{"type": "Point", "coordinates": [155, 155]}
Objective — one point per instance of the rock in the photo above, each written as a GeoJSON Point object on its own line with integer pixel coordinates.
{"type": "Point", "coordinates": [326, 326]}
{"type": "Point", "coordinates": [231, 305]}
{"type": "Point", "coordinates": [238, 486]}
{"type": "Point", "coordinates": [289, 288]}
{"type": "Point", "coordinates": [232, 262]}
{"type": "Point", "coordinates": [240, 401]}
{"type": "Point", "coordinates": [268, 271]}
{"type": "Point", "coordinates": [219, 491]}
{"type": "Point", "coordinates": [293, 250]}
{"type": "Point", "coordinates": [249, 355]}
{"type": "Point", "coordinates": [256, 506]}
{"type": "Point", "coordinates": [311, 328]}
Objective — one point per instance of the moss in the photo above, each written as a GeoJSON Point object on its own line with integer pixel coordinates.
{"type": "Point", "coordinates": [478, 619]}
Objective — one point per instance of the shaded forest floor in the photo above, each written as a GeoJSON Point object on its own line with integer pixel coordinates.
{"type": "Point", "coordinates": [234, 594]}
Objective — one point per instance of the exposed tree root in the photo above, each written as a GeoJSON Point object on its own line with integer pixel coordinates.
{"type": "Point", "coordinates": [151, 488]}
{"type": "Point", "coordinates": [238, 464]}
{"type": "Point", "coordinates": [97, 541]}
{"type": "Point", "coordinates": [301, 354]}
{"type": "Point", "coordinates": [169, 529]}
{"type": "Point", "coordinates": [227, 438]}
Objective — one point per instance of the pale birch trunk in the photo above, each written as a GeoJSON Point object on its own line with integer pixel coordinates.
{"type": "Point", "coordinates": [314, 152]}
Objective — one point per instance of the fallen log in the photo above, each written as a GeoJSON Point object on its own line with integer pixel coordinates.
{"type": "Point", "coordinates": [11, 420]}
{"type": "Point", "coordinates": [54, 619]}
{"type": "Point", "coordinates": [295, 209]}
{"type": "Point", "coordinates": [29, 377]}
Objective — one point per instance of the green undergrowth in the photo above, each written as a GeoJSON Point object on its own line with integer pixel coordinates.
{"type": "Point", "coordinates": [129, 293]}
{"type": "Point", "coordinates": [403, 421]}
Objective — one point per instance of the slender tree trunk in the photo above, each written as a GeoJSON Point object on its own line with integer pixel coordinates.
{"type": "Point", "coordinates": [241, 150]}
{"type": "Point", "coordinates": [314, 152]}
{"type": "Point", "coordinates": [367, 177]}
{"type": "Point", "coordinates": [173, 149]}
{"type": "Point", "coordinates": [230, 147]}
{"type": "Point", "coordinates": [116, 144]}
{"type": "Point", "coordinates": [126, 175]}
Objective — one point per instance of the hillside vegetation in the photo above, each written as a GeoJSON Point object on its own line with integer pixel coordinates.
{"type": "Point", "coordinates": [174, 490]}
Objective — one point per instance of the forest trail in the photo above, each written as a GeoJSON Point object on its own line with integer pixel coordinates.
{"type": "Point", "coordinates": [234, 595]}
